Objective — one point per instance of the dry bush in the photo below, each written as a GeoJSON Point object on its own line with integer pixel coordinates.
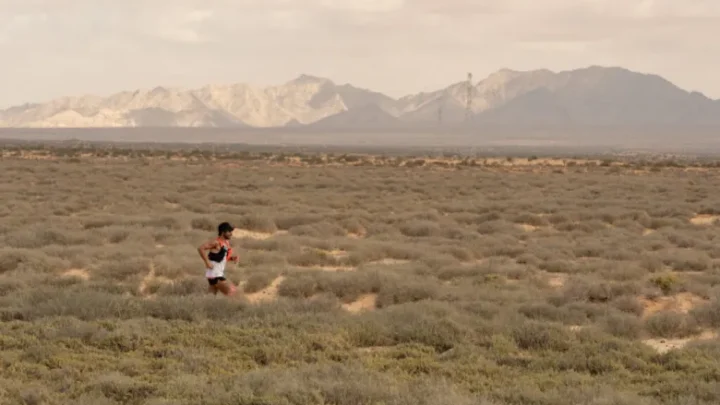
{"type": "Point", "coordinates": [256, 223]}
{"type": "Point", "coordinates": [420, 228]}
{"type": "Point", "coordinates": [530, 219]}
{"type": "Point", "coordinates": [399, 291]}
{"type": "Point", "coordinates": [278, 244]}
{"type": "Point", "coordinates": [314, 257]}
{"type": "Point", "coordinates": [259, 280]}
{"type": "Point", "coordinates": [370, 252]}
{"type": "Point", "coordinates": [321, 229]}
{"type": "Point", "coordinates": [708, 314]}
{"type": "Point", "coordinates": [596, 291]}
{"type": "Point", "coordinates": [496, 227]}
{"type": "Point", "coordinates": [533, 335]}
{"type": "Point", "coordinates": [686, 260]}
{"type": "Point", "coordinates": [628, 304]}
{"type": "Point", "coordinates": [623, 326]}
{"type": "Point", "coordinates": [670, 324]}
{"type": "Point", "coordinates": [287, 222]}
{"type": "Point", "coordinates": [204, 224]}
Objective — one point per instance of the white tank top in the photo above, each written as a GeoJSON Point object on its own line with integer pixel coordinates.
{"type": "Point", "coordinates": [218, 260]}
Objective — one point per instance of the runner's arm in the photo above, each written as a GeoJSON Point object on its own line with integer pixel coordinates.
{"type": "Point", "coordinates": [233, 258]}
{"type": "Point", "coordinates": [205, 247]}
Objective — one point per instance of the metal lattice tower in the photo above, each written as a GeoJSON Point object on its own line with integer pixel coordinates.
{"type": "Point", "coordinates": [470, 94]}
{"type": "Point", "coordinates": [441, 101]}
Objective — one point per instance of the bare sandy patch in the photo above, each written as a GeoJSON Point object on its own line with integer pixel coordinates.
{"type": "Point", "coordinates": [269, 293]}
{"type": "Point", "coordinates": [647, 232]}
{"type": "Point", "coordinates": [337, 253]}
{"type": "Point", "coordinates": [390, 262]}
{"type": "Point", "coordinates": [77, 273]}
{"type": "Point", "coordinates": [359, 234]}
{"type": "Point", "coordinates": [682, 303]}
{"type": "Point", "coordinates": [329, 268]}
{"type": "Point", "coordinates": [556, 280]}
{"type": "Point", "coordinates": [528, 227]}
{"type": "Point", "coordinates": [172, 206]}
{"type": "Point", "coordinates": [374, 349]}
{"type": "Point", "coordinates": [367, 302]}
{"type": "Point", "coordinates": [666, 345]}
{"type": "Point", "coordinates": [704, 219]}
{"type": "Point", "coordinates": [244, 233]}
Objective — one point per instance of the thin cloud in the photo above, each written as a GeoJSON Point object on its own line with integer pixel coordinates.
{"type": "Point", "coordinates": [396, 46]}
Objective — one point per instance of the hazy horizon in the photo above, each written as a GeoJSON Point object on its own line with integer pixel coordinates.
{"type": "Point", "coordinates": [79, 47]}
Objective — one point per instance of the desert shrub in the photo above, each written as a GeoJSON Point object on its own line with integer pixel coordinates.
{"type": "Point", "coordinates": [531, 219]}
{"type": "Point", "coordinates": [256, 223]}
{"type": "Point", "coordinates": [592, 249]}
{"type": "Point", "coordinates": [353, 225]}
{"type": "Point", "coordinates": [687, 260]}
{"type": "Point", "coordinates": [544, 311]}
{"type": "Point", "coordinates": [557, 266]}
{"type": "Point", "coordinates": [124, 270]}
{"type": "Point", "coordinates": [600, 291]}
{"type": "Point", "coordinates": [311, 258]}
{"type": "Point", "coordinates": [533, 335]}
{"type": "Point", "coordinates": [452, 272]}
{"type": "Point", "coordinates": [31, 237]}
{"type": "Point", "coordinates": [427, 323]}
{"type": "Point", "coordinates": [708, 314]}
{"type": "Point", "coordinates": [165, 223]}
{"type": "Point", "coordinates": [400, 291]}
{"type": "Point", "coordinates": [122, 388]}
{"type": "Point", "coordinates": [183, 287]}
{"type": "Point", "coordinates": [258, 258]}
{"type": "Point", "coordinates": [348, 286]}
{"type": "Point", "coordinates": [302, 285]}
{"type": "Point", "coordinates": [318, 230]}
{"type": "Point", "coordinates": [623, 326]}
{"type": "Point", "coordinates": [420, 228]}
{"type": "Point", "coordinates": [259, 280]}
{"type": "Point", "coordinates": [629, 305]}
{"type": "Point", "coordinates": [103, 221]}
{"type": "Point", "coordinates": [651, 263]}
{"type": "Point", "coordinates": [204, 224]}
{"type": "Point", "coordinates": [29, 261]}
{"type": "Point", "coordinates": [287, 222]}
{"type": "Point", "coordinates": [333, 383]}
{"type": "Point", "coordinates": [499, 226]}
{"type": "Point", "coordinates": [670, 324]}
{"type": "Point", "coordinates": [667, 283]}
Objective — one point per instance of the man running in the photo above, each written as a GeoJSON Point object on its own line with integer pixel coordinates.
{"type": "Point", "coordinates": [219, 253]}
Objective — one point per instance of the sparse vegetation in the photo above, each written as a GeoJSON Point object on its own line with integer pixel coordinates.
{"type": "Point", "coordinates": [363, 279]}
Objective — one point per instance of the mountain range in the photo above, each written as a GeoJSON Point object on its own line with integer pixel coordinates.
{"type": "Point", "coordinates": [592, 96]}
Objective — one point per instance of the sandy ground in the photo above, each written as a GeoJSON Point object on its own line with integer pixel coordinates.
{"type": "Point", "coordinates": [666, 345]}
{"type": "Point", "coordinates": [704, 219]}
{"type": "Point", "coordinates": [269, 293]}
{"type": "Point", "coordinates": [77, 273]}
{"type": "Point", "coordinates": [366, 302]}
{"type": "Point", "coordinates": [683, 303]}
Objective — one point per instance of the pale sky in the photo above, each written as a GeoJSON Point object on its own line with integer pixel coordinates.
{"type": "Point", "coordinates": [52, 48]}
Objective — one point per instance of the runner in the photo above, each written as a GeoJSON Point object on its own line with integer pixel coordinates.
{"type": "Point", "coordinates": [219, 253]}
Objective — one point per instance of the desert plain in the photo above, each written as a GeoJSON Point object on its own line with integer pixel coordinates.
{"type": "Point", "coordinates": [363, 279]}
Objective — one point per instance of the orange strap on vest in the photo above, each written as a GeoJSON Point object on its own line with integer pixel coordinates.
{"type": "Point", "coordinates": [225, 243]}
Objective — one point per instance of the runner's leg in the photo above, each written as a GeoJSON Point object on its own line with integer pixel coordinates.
{"type": "Point", "coordinates": [212, 287]}
{"type": "Point", "coordinates": [226, 287]}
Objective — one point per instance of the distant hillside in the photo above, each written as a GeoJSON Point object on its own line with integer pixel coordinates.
{"type": "Point", "coordinates": [592, 96]}
{"type": "Point", "coordinates": [604, 96]}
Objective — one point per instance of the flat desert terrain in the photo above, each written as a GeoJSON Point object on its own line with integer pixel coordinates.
{"type": "Point", "coordinates": [364, 280]}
